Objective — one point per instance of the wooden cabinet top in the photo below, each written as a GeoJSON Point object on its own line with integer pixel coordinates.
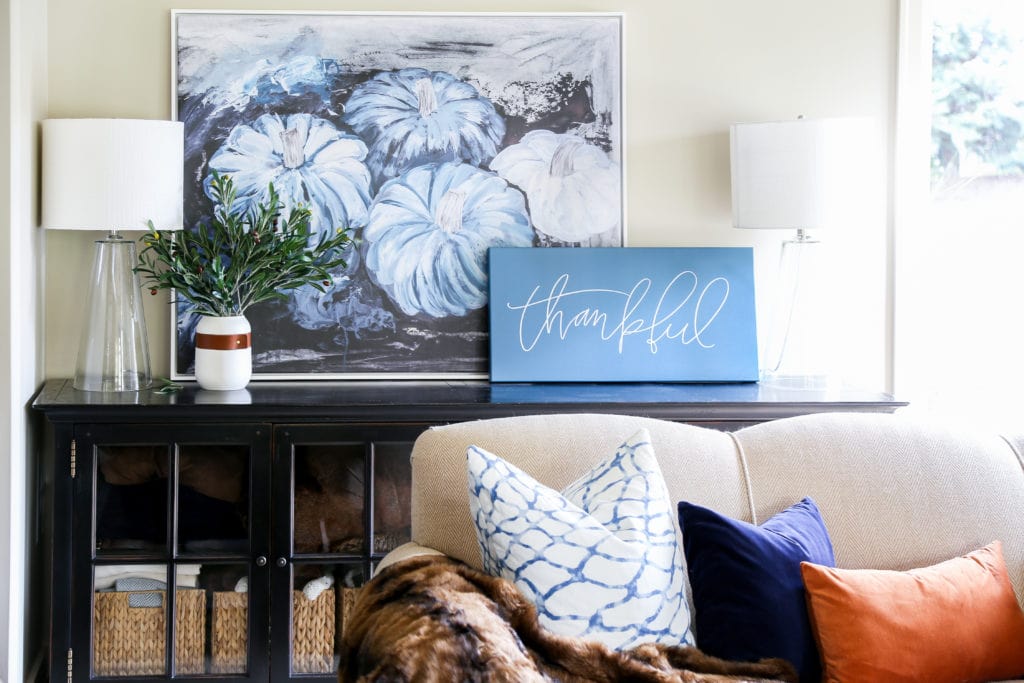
{"type": "Point", "coordinates": [443, 401]}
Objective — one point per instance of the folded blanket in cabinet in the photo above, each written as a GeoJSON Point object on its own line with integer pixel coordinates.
{"type": "Point", "coordinates": [107, 575]}
{"type": "Point", "coordinates": [142, 592]}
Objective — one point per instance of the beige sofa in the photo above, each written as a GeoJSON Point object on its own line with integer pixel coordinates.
{"type": "Point", "coordinates": [895, 493]}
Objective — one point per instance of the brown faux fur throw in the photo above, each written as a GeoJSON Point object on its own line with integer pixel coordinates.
{"type": "Point", "coordinates": [433, 619]}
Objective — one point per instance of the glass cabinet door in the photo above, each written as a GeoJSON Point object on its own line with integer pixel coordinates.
{"type": "Point", "coordinates": [170, 511]}
{"type": "Point", "coordinates": [348, 493]}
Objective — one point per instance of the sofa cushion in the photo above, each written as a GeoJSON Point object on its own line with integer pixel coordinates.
{"type": "Point", "coordinates": [599, 560]}
{"type": "Point", "coordinates": [748, 594]}
{"type": "Point", "coordinates": [955, 621]}
{"type": "Point", "coordinates": [699, 465]}
{"type": "Point", "coordinates": [896, 491]}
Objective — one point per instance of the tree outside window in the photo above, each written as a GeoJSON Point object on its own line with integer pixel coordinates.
{"type": "Point", "coordinates": [977, 93]}
{"type": "Point", "coordinates": [961, 297]}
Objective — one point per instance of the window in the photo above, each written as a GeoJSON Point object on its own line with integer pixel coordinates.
{"type": "Point", "coordinates": [960, 210]}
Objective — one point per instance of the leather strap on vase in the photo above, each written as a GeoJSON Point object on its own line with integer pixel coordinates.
{"type": "Point", "coordinates": [223, 342]}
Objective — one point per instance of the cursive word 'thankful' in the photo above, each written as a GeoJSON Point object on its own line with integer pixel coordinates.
{"type": "Point", "coordinates": [683, 312]}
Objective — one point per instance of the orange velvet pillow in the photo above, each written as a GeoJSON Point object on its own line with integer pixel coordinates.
{"type": "Point", "coordinates": [955, 621]}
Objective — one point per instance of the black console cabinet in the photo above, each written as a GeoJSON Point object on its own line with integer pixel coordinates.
{"type": "Point", "coordinates": [266, 508]}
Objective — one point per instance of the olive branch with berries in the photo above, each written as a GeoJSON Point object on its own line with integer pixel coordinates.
{"type": "Point", "coordinates": [238, 259]}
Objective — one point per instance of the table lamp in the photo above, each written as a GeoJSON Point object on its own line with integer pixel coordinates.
{"type": "Point", "coordinates": [799, 175]}
{"type": "Point", "coordinates": [112, 175]}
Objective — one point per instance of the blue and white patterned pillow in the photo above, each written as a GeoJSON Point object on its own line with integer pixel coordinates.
{"type": "Point", "coordinates": [599, 560]}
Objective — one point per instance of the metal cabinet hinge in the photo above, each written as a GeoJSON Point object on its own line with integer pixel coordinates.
{"type": "Point", "coordinates": [71, 664]}
{"type": "Point", "coordinates": [74, 458]}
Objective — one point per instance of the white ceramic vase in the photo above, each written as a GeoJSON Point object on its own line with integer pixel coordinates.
{"type": "Point", "coordinates": [223, 352]}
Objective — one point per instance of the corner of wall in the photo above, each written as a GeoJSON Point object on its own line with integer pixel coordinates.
{"type": "Point", "coordinates": [23, 83]}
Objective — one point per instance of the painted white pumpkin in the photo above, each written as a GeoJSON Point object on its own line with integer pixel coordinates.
{"type": "Point", "coordinates": [307, 159]}
{"type": "Point", "coordinates": [573, 188]}
{"type": "Point", "coordinates": [429, 231]}
{"type": "Point", "coordinates": [413, 116]}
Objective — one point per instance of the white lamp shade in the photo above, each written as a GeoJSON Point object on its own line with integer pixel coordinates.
{"type": "Point", "coordinates": [802, 174]}
{"type": "Point", "coordinates": [112, 174]}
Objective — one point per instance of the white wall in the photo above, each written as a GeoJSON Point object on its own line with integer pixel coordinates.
{"type": "Point", "coordinates": [22, 104]}
{"type": "Point", "coordinates": [692, 68]}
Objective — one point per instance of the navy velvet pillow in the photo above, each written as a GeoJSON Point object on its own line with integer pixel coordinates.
{"type": "Point", "coordinates": [748, 594]}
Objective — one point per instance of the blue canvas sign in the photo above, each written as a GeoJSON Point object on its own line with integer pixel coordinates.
{"type": "Point", "coordinates": [623, 315]}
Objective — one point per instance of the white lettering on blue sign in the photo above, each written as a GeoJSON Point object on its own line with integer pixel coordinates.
{"type": "Point", "coordinates": [684, 312]}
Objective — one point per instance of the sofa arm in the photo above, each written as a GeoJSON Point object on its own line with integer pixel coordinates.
{"type": "Point", "coordinates": [1016, 442]}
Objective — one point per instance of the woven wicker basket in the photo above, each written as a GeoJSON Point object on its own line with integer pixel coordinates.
{"type": "Point", "coordinates": [131, 641]}
{"type": "Point", "coordinates": [229, 632]}
{"type": "Point", "coordinates": [346, 600]}
{"type": "Point", "coordinates": [313, 629]}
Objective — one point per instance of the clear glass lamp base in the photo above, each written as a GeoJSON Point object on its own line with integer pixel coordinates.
{"type": "Point", "coordinates": [800, 348]}
{"type": "Point", "coordinates": [113, 353]}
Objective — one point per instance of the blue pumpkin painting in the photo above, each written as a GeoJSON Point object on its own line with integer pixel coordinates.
{"type": "Point", "coordinates": [412, 117]}
{"type": "Point", "coordinates": [428, 233]}
{"type": "Point", "coordinates": [434, 137]}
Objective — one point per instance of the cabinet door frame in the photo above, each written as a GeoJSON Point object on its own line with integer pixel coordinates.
{"type": "Point", "coordinates": [287, 437]}
{"type": "Point", "coordinates": [86, 440]}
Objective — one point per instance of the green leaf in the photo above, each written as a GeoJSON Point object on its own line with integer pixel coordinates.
{"type": "Point", "coordinates": [168, 387]}
{"type": "Point", "coordinates": [232, 261]}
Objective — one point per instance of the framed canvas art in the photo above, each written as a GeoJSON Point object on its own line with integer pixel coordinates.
{"type": "Point", "coordinates": [661, 314]}
{"type": "Point", "coordinates": [434, 137]}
